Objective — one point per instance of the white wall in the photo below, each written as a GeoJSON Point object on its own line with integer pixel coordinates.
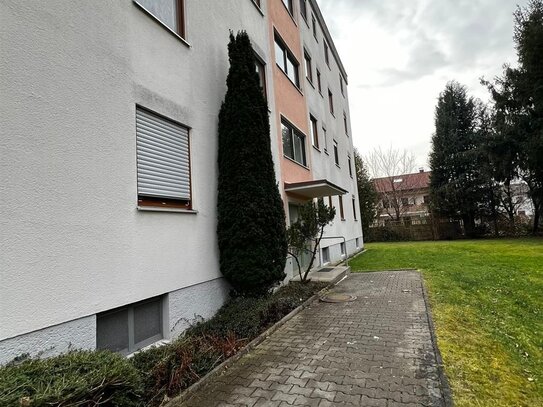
{"type": "Point", "coordinates": [73, 242]}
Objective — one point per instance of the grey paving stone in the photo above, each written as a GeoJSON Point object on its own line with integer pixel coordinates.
{"type": "Point", "coordinates": [375, 351]}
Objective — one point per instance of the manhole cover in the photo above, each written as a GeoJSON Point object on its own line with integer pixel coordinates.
{"type": "Point", "coordinates": [325, 270]}
{"type": "Point", "coordinates": [338, 298]}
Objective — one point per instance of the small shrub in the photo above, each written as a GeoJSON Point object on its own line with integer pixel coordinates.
{"type": "Point", "coordinates": [81, 378]}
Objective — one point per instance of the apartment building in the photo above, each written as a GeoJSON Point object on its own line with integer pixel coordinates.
{"type": "Point", "coordinates": [109, 147]}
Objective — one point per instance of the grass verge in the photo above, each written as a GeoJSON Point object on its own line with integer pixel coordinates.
{"type": "Point", "coordinates": [487, 305]}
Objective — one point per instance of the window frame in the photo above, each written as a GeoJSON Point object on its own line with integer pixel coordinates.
{"type": "Point", "coordinates": [308, 67]}
{"type": "Point", "coordinates": [132, 345]}
{"type": "Point", "coordinates": [354, 208]}
{"type": "Point", "coordinates": [314, 129]}
{"type": "Point", "coordinates": [336, 153]}
{"type": "Point", "coordinates": [314, 26]}
{"type": "Point", "coordinates": [294, 132]}
{"type": "Point", "coordinates": [303, 9]}
{"type": "Point", "coordinates": [349, 163]}
{"type": "Point", "coordinates": [259, 63]}
{"type": "Point", "coordinates": [326, 53]}
{"type": "Point", "coordinates": [287, 55]}
{"type": "Point", "coordinates": [345, 125]}
{"type": "Point", "coordinates": [341, 211]}
{"type": "Point", "coordinates": [325, 140]}
{"type": "Point", "coordinates": [341, 85]}
{"type": "Point", "coordinates": [180, 18]}
{"type": "Point", "coordinates": [319, 83]}
{"type": "Point", "coordinates": [289, 5]}
{"type": "Point", "coordinates": [149, 202]}
{"type": "Point", "coordinates": [331, 102]}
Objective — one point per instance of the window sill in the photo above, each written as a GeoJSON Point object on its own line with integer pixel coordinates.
{"type": "Point", "coordinates": [296, 162]}
{"type": "Point", "coordinates": [326, 152]}
{"type": "Point", "coordinates": [175, 34]}
{"type": "Point", "coordinates": [159, 209]}
{"type": "Point", "coordinates": [320, 92]}
{"type": "Point", "coordinates": [310, 82]}
{"type": "Point", "coordinates": [337, 165]}
{"type": "Point", "coordinates": [316, 148]}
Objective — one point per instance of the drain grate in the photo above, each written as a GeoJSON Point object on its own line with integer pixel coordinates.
{"type": "Point", "coordinates": [325, 270]}
{"type": "Point", "coordinates": [338, 298]}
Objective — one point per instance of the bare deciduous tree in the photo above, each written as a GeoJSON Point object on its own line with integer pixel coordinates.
{"type": "Point", "coordinates": [386, 168]}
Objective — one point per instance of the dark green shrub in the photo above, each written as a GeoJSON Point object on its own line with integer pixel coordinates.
{"type": "Point", "coordinates": [81, 378]}
{"type": "Point", "coordinates": [251, 220]}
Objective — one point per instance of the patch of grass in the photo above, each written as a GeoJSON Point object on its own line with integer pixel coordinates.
{"type": "Point", "coordinates": [487, 304]}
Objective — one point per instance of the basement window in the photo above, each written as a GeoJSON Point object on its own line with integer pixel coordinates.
{"type": "Point", "coordinates": [130, 328]}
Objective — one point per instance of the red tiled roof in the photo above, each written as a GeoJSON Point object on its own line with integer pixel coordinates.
{"type": "Point", "coordinates": [404, 182]}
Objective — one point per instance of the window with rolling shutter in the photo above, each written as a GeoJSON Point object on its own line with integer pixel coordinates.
{"type": "Point", "coordinates": [163, 161]}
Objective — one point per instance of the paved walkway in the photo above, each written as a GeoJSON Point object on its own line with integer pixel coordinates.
{"type": "Point", "coordinates": [375, 351]}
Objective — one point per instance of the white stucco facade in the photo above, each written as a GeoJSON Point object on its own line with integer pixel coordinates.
{"type": "Point", "coordinates": [74, 242]}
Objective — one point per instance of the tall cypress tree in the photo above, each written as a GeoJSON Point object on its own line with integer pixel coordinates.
{"type": "Point", "coordinates": [251, 220]}
{"type": "Point", "coordinates": [456, 182]}
{"type": "Point", "coordinates": [367, 195]}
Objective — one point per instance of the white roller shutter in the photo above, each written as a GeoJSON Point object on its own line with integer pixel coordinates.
{"type": "Point", "coordinates": [162, 157]}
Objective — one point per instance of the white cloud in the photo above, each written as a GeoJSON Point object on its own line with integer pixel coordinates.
{"type": "Point", "coordinates": [400, 53]}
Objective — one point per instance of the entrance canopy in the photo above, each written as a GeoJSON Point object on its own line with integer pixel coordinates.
{"type": "Point", "coordinates": [313, 189]}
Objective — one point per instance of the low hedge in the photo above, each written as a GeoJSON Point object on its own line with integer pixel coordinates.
{"type": "Point", "coordinates": [81, 378]}
{"type": "Point", "coordinates": [94, 378]}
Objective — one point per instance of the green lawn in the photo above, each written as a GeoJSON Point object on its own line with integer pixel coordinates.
{"type": "Point", "coordinates": [487, 305]}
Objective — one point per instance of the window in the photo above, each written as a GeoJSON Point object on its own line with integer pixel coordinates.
{"type": "Point", "coordinates": [325, 255]}
{"type": "Point", "coordinates": [293, 143]}
{"type": "Point", "coordinates": [426, 199]}
{"type": "Point", "coordinates": [345, 126]}
{"type": "Point", "coordinates": [325, 140]}
{"type": "Point", "coordinates": [330, 203]}
{"type": "Point", "coordinates": [336, 153]}
{"type": "Point", "coordinates": [342, 247]}
{"type": "Point", "coordinates": [308, 68]}
{"type": "Point", "coordinates": [350, 166]}
{"type": "Point", "coordinates": [286, 61]}
{"type": "Point", "coordinates": [303, 9]}
{"type": "Point", "coordinates": [314, 132]}
{"type": "Point", "coordinates": [341, 213]}
{"type": "Point", "coordinates": [261, 71]}
{"type": "Point", "coordinates": [354, 208]}
{"type": "Point", "coordinates": [326, 56]}
{"type": "Point", "coordinates": [358, 243]}
{"type": "Point", "coordinates": [171, 13]}
{"type": "Point", "coordinates": [405, 202]}
{"type": "Point", "coordinates": [163, 161]}
{"type": "Point", "coordinates": [314, 26]}
{"type": "Point", "coordinates": [289, 5]}
{"type": "Point", "coordinates": [341, 84]}
{"type": "Point", "coordinates": [331, 101]}
{"type": "Point", "coordinates": [127, 329]}
{"type": "Point", "coordinates": [257, 2]}
{"type": "Point", "coordinates": [386, 204]}
{"type": "Point", "coordinates": [319, 81]}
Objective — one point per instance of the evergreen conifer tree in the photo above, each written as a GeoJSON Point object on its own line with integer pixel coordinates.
{"type": "Point", "coordinates": [251, 220]}
{"type": "Point", "coordinates": [367, 195]}
{"type": "Point", "coordinates": [457, 184]}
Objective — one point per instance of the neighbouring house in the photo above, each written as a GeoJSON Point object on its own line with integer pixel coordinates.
{"type": "Point", "coordinates": [403, 198]}
{"type": "Point", "coordinates": [109, 150]}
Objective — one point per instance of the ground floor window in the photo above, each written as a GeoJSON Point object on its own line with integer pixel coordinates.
{"type": "Point", "coordinates": [325, 255]}
{"type": "Point", "coordinates": [132, 327]}
{"type": "Point", "coordinates": [342, 246]}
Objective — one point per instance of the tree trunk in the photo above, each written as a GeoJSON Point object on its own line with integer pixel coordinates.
{"type": "Point", "coordinates": [537, 214]}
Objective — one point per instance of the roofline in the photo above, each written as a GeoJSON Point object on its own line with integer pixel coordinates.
{"type": "Point", "coordinates": [401, 175]}
{"type": "Point", "coordinates": [329, 39]}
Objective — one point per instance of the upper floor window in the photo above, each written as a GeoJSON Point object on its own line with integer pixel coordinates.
{"type": "Point", "coordinates": [171, 13]}
{"type": "Point", "coordinates": [331, 101]}
{"type": "Point", "coordinates": [341, 84]}
{"type": "Point", "coordinates": [289, 5]}
{"type": "Point", "coordinates": [325, 140]}
{"type": "Point", "coordinates": [426, 199]}
{"type": "Point", "coordinates": [341, 212]}
{"type": "Point", "coordinates": [350, 166]}
{"type": "Point", "coordinates": [163, 161]}
{"type": "Point", "coordinates": [319, 85]}
{"type": "Point", "coordinates": [314, 131]}
{"type": "Point", "coordinates": [257, 2]}
{"type": "Point", "coordinates": [303, 9]}
{"type": "Point", "coordinates": [345, 123]}
{"type": "Point", "coordinates": [261, 71]}
{"type": "Point", "coordinates": [314, 26]}
{"type": "Point", "coordinates": [326, 55]}
{"type": "Point", "coordinates": [354, 208]}
{"type": "Point", "coordinates": [336, 153]}
{"type": "Point", "coordinates": [286, 61]}
{"type": "Point", "coordinates": [293, 143]}
{"type": "Point", "coordinates": [308, 67]}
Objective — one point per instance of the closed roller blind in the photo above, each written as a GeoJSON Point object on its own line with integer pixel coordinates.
{"type": "Point", "coordinates": [162, 157]}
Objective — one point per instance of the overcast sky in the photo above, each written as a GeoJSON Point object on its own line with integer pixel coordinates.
{"type": "Point", "coordinates": [399, 54]}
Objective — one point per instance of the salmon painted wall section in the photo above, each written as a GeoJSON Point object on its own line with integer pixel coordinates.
{"type": "Point", "coordinates": [289, 100]}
